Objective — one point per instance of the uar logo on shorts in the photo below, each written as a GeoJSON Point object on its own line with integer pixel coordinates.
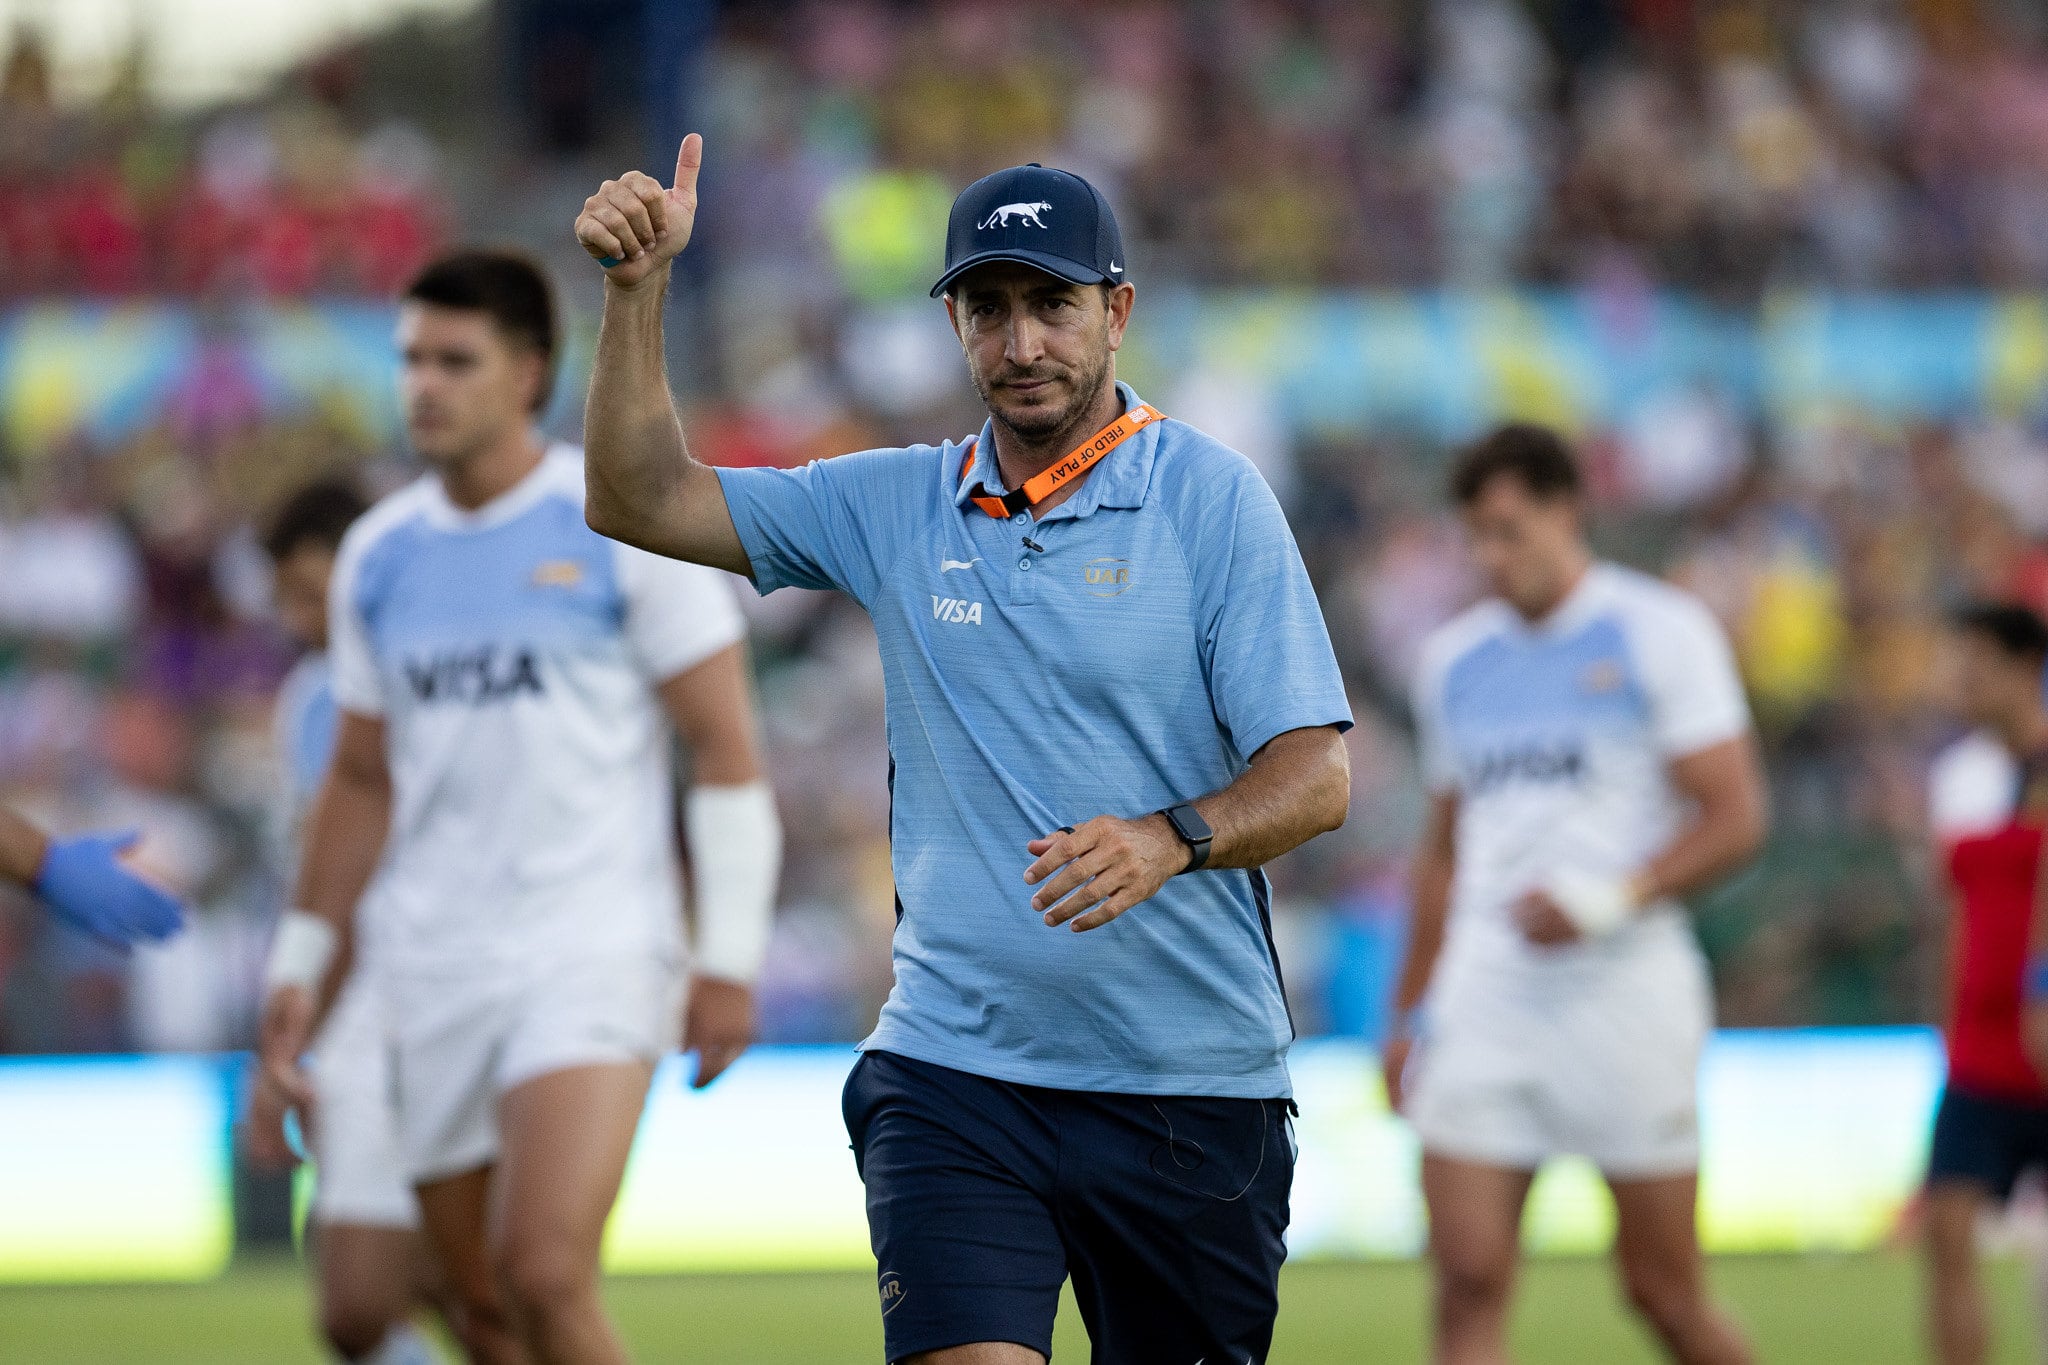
{"type": "Point", "coordinates": [1025, 214]}
{"type": "Point", "coordinates": [891, 1286]}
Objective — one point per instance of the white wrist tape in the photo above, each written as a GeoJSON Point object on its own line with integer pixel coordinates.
{"type": "Point", "coordinates": [735, 844]}
{"type": "Point", "coordinates": [300, 952]}
{"type": "Point", "coordinates": [1596, 904]}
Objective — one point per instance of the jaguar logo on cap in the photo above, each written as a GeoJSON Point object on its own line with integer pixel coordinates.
{"type": "Point", "coordinates": [1026, 214]}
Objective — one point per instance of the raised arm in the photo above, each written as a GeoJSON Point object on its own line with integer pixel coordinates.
{"type": "Point", "coordinates": [642, 487]}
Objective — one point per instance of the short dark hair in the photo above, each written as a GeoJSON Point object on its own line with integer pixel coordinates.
{"type": "Point", "coordinates": [2015, 631]}
{"type": "Point", "coordinates": [508, 285]}
{"type": "Point", "coordinates": [317, 514]}
{"type": "Point", "coordinates": [1535, 456]}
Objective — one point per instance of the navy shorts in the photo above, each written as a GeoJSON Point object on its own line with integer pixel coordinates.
{"type": "Point", "coordinates": [983, 1196]}
{"type": "Point", "coordinates": [1987, 1141]}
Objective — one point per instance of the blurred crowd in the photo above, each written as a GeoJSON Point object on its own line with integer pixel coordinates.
{"type": "Point", "coordinates": [1714, 149]}
{"type": "Point", "coordinates": [1721, 145]}
{"type": "Point", "coordinates": [283, 201]}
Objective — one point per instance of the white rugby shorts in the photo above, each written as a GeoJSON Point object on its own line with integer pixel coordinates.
{"type": "Point", "coordinates": [353, 1133]}
{"type": "Point", "coordinates": [1604, 1066]}
{"type": "Point", "coordinates": [461, 1044]}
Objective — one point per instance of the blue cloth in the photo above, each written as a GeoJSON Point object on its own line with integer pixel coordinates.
{"type": "Point", "coordinates": [1170, 1213]}
{"type": "Point", "coordinates": [85, 885]}
{"type": "Point", "coordinates": [1165, 632]}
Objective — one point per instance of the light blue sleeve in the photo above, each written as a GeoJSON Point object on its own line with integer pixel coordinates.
{"type": "Point", "coordinates": [836, 523]}
{"type": "Point", "coordinates": [314, 730]}
{"type": "Point", "coordinates": [1267, 651]}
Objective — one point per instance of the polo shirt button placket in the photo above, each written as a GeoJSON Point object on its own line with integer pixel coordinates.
{"type": "Point", "coordinates": [1022, 586]}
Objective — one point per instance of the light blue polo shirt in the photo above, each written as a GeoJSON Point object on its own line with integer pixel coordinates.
{"type": "Point", "coordinates": [1164, 632]}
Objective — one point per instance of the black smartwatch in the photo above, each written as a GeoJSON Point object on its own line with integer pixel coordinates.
{"type": "Point", "coordinates": [1193, 830]}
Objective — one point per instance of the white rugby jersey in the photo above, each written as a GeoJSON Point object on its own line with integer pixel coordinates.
{"type": "Point", "coordinates": [511, 653]}
{"type": "Point", "coordinates": [1555, 738]}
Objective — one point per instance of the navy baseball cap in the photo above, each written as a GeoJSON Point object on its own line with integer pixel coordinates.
{"type": "Point", "coordinates": [1051, 219]}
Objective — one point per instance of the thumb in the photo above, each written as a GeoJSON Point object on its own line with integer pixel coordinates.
{"type": "Point", "coordinates": [689, 160]}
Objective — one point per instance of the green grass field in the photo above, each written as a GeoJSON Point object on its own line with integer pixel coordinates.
{"type": "Point", "coordinates": [1859, 1310]}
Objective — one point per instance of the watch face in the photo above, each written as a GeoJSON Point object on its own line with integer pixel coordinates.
{"type": "Point", "coordinates": [1194, 831]}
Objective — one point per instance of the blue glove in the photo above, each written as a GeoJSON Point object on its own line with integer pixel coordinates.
{"type": "Point", "coordinates": [85, 886]}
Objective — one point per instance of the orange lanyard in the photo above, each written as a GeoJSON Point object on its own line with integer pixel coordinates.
{"type": "Point", "coordinates": [1042, 485]}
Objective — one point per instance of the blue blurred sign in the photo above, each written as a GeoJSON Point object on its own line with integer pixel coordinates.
{"type": "Point", "coordinates": [117, 1168]}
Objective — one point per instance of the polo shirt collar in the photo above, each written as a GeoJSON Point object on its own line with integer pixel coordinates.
{"type": "Point", "coordinates": [1119, 480]}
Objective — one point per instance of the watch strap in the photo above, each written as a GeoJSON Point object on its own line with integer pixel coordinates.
{"type": "Point", "coordinates": [1193, 830]}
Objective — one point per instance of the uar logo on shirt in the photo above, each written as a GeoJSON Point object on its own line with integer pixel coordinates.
{"type": "Point", "coordinates": [1602, 676]}
{"type": "Point", "coordinates": [956, 611]}
{"type": "Point", "coordinates": [558, 573]}
{"type": "Point", "coordinates": [1107, 577]}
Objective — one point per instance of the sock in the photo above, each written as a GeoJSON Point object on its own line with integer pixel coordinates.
{"type": "Point", "coordinates": [404, 1344]}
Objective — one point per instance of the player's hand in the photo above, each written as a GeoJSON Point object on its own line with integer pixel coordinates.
{"type": "Point", "coordinates": [718, 1026]}
{"type": "Point", "coordinates": [263, 1135]}
{"type": "Point", "coordinates": [85, 885]}
{"type": "Point", "coordinates": [286, 1028]}
{"type": "Point", "coordinates": [638, 226]}
{"type": "Point", "coordinates": [1394, 1070]}
{"type": "Point", "coordinates": [1543, 923]}
{"type": "Point", "coordinates": [1103, 868]}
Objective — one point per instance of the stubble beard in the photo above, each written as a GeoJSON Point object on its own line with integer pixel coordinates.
{"type": "Point", "coordinates": [1043, 427]}
{"type": "Point", "coordinates": [450, 453]}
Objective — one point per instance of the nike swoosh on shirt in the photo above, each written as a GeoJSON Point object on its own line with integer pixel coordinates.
{"type": "Point", "coordinates": [948, 565]}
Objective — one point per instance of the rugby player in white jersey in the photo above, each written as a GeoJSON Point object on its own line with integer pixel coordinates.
{"type": "Point", "coordinates": [505, 679]}
{"type": "Point", "coordinates": [1588, 751]}
{"type": "Point", "coordinates": [373, 1268]}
